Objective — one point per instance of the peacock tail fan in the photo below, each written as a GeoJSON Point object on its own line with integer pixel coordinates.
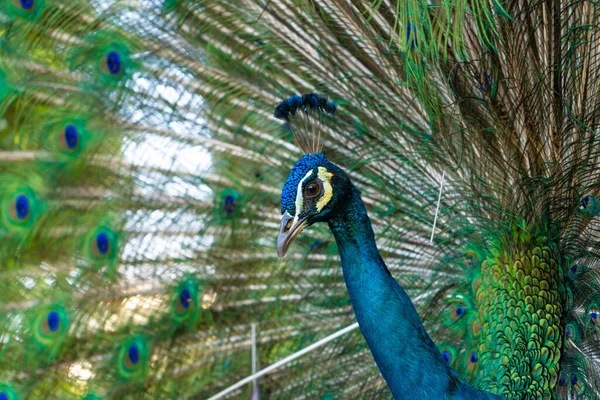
{"type": "Point", "coordinates": [141, 167]}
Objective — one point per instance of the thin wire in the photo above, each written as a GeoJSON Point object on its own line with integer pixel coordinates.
{"type": "Point", "coordinates": [437, 209]}
{"type": "Point", "coordinates": [255, 392]}
{"type": "Point", "coordinates": [284, 361]}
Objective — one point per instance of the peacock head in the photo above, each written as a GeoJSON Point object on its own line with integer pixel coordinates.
{"type": "Point", "coordinates": [315, 185]}
{"type": "Point", "coordinates": [312, 193]}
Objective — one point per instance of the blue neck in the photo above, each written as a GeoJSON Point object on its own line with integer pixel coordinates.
{"type": "Point", "coordinates": [407, 358]}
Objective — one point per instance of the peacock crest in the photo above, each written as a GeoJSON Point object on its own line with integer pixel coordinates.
{"type": "Point", "coordinates": [304, 114]}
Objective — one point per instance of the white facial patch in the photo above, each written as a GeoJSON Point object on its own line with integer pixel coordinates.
{"type": "Point", "coordinates": [299, 198]}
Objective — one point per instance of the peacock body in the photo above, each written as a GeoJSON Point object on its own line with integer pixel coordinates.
{"type": "Point", "coordinates": [141, 175]}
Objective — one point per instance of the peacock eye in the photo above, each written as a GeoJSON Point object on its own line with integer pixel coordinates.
{"type": "Point", "coordinates": [312, 189]}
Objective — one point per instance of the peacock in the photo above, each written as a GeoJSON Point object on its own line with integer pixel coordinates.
{"type": "Point", "coordinates": [444, 155]}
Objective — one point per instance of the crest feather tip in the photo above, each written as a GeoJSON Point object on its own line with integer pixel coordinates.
{"type": "Point", "coordinates": [304, 114]}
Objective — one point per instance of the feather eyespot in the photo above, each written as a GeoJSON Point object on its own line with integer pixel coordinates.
{"type": "Point", "coordinates": [50, 323]}
{"type": "Point", "coordinates": [19, 209]}
{"type": "Point", "coordinates": [589, 205]}
{"type": "Point", "coordinates": [6, 393]}
{"type": "Point", "coordinates": [447, 356]}
{"type": "Point", "coordinates": [50, 326]}
{"type": "Point", "coordinates": [102, 244]}
{"type": "Point", "coordinates": [27, 7]}
{"type": "Point", "coordinates": [185, 301]}
{"type": "Point", "coordinates": [472, 360]}
{"type": "Point", "coordinates": [577, 384]}
{"type": "Point", "coordinates": [574, 379]}
{"type": "Point", "coordinates": [53, 321]}
{"type": "Point", "coordinates": [185, 298]}
{"type": "Point", "coordinates": [133, 358]}
{"type": "Point", "coordinates": [133, 355]}
{"type": "Point", "coordinates": [594, 318]}
{"type": "Point", "coordinates": [229, 205]}
{"type": "Point", "coordinates": [22, 207]}
{"type": "Point", "coordinates": [27, 4]}
{"type": "Point", "coordinates": [573, 269]}
{"type": "Point", "coordinates": [69, 138]}
{"type": "Point", "coordinates": [457, 312]}
{"type": "Point", "coordinates": [112, 64]}
{"type": "Point", "coordinates": [562, 381]}
{"type": "Point", "coordinates": [571, 333]}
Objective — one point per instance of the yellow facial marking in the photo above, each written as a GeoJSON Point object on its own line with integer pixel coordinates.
{"type": "Point", "coordinates": [325, 177]}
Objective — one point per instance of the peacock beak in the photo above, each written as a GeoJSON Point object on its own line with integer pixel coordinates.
{"type": "Point", "coordinates": [288, 232]}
